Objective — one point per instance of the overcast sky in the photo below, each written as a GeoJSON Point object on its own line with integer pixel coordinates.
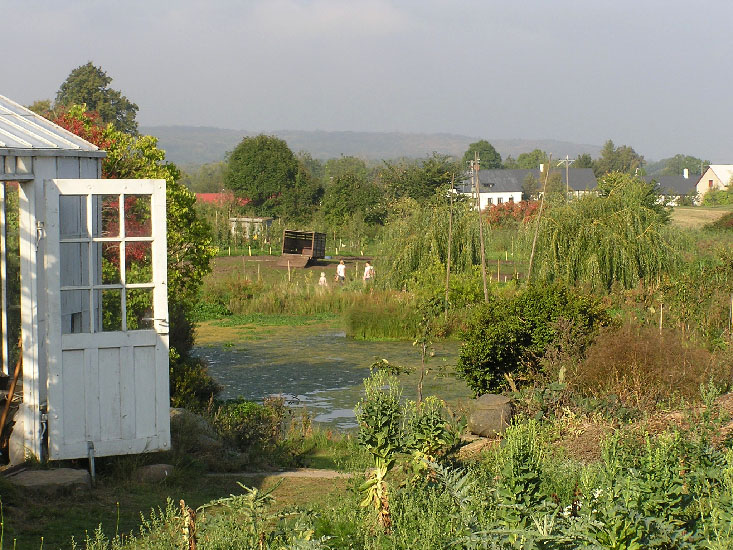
{"type": "Point", "coordinates": [655, 75]}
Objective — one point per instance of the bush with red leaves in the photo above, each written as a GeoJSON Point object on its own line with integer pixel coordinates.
{"type": "Point", "coordinates": [511, 214]}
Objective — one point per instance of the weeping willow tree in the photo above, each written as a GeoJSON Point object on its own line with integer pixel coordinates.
{"type": "Point", "coordinates": [619, 236]}
{"type": "Point", "coordinates": [415, 243]}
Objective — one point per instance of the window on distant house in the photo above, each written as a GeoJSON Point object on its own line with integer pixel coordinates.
{"type": "Point", "coordinates": [499, 200]}
{"type": "Point", "coordinates": [710, 183]}
{"type": "Point", "coordinates": [489, 201]}
{"type": "Point", "coordinates": [511, 199]}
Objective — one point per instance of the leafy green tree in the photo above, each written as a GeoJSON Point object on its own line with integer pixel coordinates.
{"type": "Point", "coordinates": [530, 188]}
{"type": "Point", "coordinates": [490, 157]}
{"type": "Point", "coordinates": [347, 165]}
{"type": "Point", "coordinates": [315, 168]}
{"type": "Point", "coordinates": [510, 163]}
{"type": "Point", "coordinates": [349, 194]}
{"type": "Point", "coordinates": [620, 236]}
{"type": "Point", "coordinates": [418, 180]}
{"type": "Point", "coordinates": [299, 203]}
{"type": "Point", "coordinates": [677, 164]}
{"type": "Point", "coordinates": [89, 85]}
{"type": "Point", "coordinates": [207, 178]}
{"type": "Point", "coordinates": [583, 161]}
{"type": "Point", "coordinates": [532, 160]}
{"type": "Point", "coordinates": [617, 159]}
{"type": "Point", "coordinates": [262, 169]}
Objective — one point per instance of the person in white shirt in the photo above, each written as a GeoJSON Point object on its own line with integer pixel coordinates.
{"type": "Point", "coordinates": [368, 273]}
{"type": "Point", "coordinates": [341, 272]}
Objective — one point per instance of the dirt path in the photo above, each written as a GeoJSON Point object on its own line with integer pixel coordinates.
{"type": "Point", "coordinates": [307, 473]}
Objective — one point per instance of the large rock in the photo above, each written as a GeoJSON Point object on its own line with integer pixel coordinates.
{"type": "Point", "coordinates": [491, 415]}
{"type": "Point", "coordinates": [153, 473]}
{"type": "Point", "coordinates": [191, 432]}
{"type": "Point", "coordinates": [52, 482]}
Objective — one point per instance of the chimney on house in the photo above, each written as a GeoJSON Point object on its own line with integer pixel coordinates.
{"type": "Point", "coordinates": [685, 173]}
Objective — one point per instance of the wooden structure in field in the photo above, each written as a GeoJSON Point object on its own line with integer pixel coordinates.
{"type": "Point", "coordinates": [93, 297]}
{"type": "Point", "coordinates": [301, 247]}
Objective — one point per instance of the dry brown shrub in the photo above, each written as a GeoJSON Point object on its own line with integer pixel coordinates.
{"type": "Point", "coordinates": [644, 367]}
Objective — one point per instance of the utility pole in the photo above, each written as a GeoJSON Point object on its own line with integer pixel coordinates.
{"type": "Point", "coordinates": [537, 226]}
{"type": "Point", "coordinates": [450, 243]}
{"type": "Point", "coordinates": [475, 165]}
{"type": "Point", "coordinates": [567, 161]}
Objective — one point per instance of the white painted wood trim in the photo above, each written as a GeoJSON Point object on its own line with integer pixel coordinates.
{"type": "Point", "coordinates": [4, 277]}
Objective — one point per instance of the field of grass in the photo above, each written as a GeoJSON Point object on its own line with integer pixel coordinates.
{"type": "Point", "coordinates": [695, 217]}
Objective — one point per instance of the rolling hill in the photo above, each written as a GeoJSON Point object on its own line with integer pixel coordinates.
{"type": "Point", "coordinates": [196, 145]}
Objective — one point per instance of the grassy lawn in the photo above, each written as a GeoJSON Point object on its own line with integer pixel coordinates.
{"type": "Point", "coordinates": [33, 523]}
{"type": "Point", "coordinates": [694, 217]}
{"type": "Point", "coordinates": [238, 328]}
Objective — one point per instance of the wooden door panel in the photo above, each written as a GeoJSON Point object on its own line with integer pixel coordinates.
{"type": "Point", "coordinates": [107, 388]}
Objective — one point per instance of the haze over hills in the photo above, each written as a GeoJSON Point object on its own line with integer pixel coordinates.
{"type": "Point", "coordinates": [196, 145]}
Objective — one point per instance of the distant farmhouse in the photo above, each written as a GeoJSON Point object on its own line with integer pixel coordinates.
{"type": "Point", "coordinates": [673, 188]}
{"type": "Point", "coordinates": [715, 178]}
{"type": "Point", "coordinates": [497, 186]}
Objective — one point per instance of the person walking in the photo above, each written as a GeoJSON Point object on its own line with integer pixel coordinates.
{"type": "Point", "coordinates": [368, 273]}
{"type": "Point", "coordinates": [341, 272]}
{"type": "Point", "coordinates": [322, 281]}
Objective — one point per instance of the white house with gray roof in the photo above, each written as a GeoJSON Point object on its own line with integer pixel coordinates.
{"type": "Point", "coordinates": [498, 186]}
{"type": "Point", "coordinates": [715, 178]}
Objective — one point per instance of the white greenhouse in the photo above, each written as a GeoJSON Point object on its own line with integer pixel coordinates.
{"type": "Point", "coordinates": [92, 296]}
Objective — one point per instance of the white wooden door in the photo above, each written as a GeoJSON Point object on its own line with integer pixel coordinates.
{"type": "Point", "coordinates": [107, 317]}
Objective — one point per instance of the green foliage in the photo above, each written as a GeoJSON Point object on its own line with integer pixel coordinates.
{"type": "Point", "coordinates": [507, 336]}
{"type": "Point", "coordinates": [583, 160]}
{"type": "Point", "coordinates": [619, 236]}
{"type": "Point", "coordinates": [262, 169]}
{"type": "Point", "coordinates": [191, 385]}
{"type": "Point", "coordinates": [299, 201]}
{"type": "Point", "coordinates": [247, 425]}
{"type": "Point", "coordinates": [89, 85]}
{"type": "Point", "coordinates": [529, 161]}
{"type": "Point", "coordinates": [415, 240]}
{"type": "Point", "coordinates": [489, 157]}
{"type": "Point", "coordinates": [188, 237]}
{"type": "Point", "coordinates": [348, 194]}
{"type": "Point", "coordinates": [418, 180]}
{"type": "Point", "coordinates": [429, 433]}
{"type": "Point", "coordinates": [617, 159]}
{"type": "Point", "coordinates": [207, 178]}
{"type": "Point", "coordinates": [725, 223]}
{"type": "Point", "coordinates": [718, 197]}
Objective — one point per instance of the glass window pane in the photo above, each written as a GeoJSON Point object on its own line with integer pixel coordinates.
{"type": "Point", "coordinates": [108, 303]}
{"type": "Point", "coordinates": [107, 269]}
{"type": "Point", "coordinates": [139, 308]}
{"type": "Point", "coordinates": [74, 264]}
{"type": "Point", "coordinates": [138, 262]}
{"type": "Point", "coordinates": [137, 216]}
{"type": "Point", "coordinates": [106, 215]}
{"type": "Point", "coordinates": [73, 217]}
{"type": "Point", "coordinates": [75, 312]}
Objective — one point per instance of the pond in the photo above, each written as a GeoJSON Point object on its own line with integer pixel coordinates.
{"type": "Point", "coordinates": [321, 369]}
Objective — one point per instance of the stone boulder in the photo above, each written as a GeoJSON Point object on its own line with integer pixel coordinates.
{"type": "Point", "coordinates": [57, 481]}
{"type": "Point", "coordinates": [491, 415]}
{"type": "Point", "coordinates": [152, 473]}
{"type": "Point", "coordinates": [191, 432]}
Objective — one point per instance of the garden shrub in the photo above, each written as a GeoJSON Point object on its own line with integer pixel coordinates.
{"type": "Point", "coordinates": [511, 214]}
{"type": "Point", "coordinates": [247, 425]}
{"type": "Point", "coordinates": [508, 336]}
{"type": "Point", "coordinates": [644, 367]}
{"type": "Point", "coordinates": [191, 385]}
